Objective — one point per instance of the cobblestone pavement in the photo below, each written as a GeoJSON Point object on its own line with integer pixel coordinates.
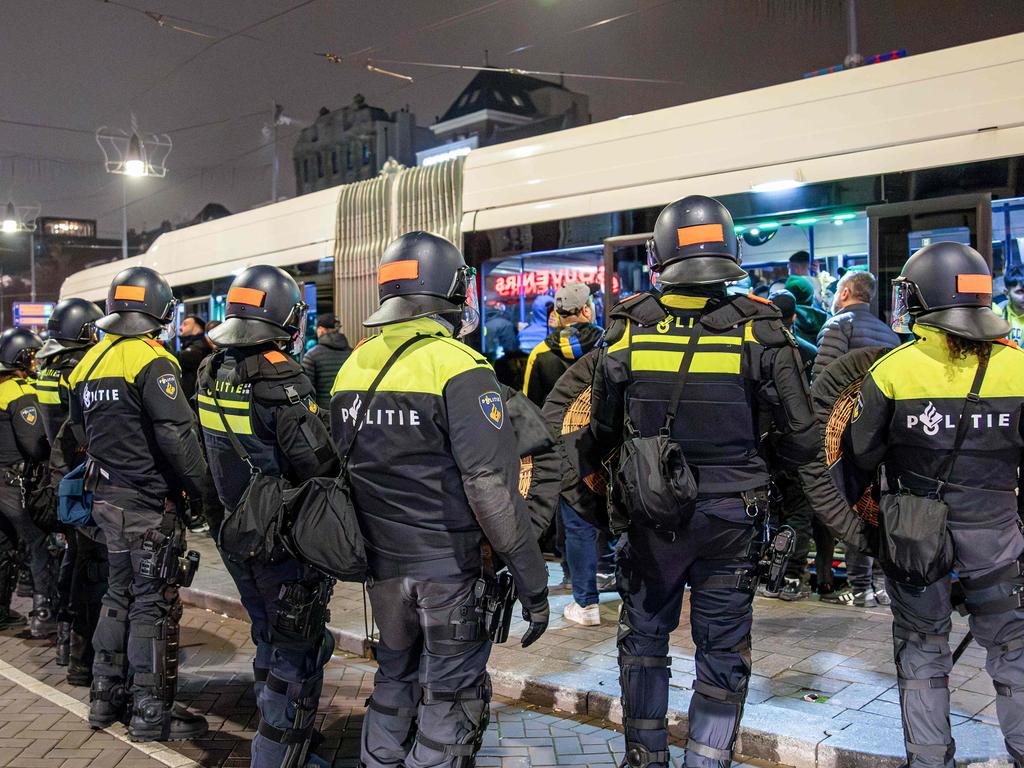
{"type": "Point", "coordinates": [823, 690]}
{"type": "Point", "coordinates": [41, 723]}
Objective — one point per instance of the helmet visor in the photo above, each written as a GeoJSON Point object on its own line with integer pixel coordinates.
{"type": "Point", "coordinates": [652, 261]}
{"type": "Point", "coordinates": [471, 305]}
{"type": "Point", "coordinates": [901, 299]}
{"type": "Point", "coordinates": [296, 323]}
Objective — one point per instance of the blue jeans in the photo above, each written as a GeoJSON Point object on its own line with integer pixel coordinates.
{"type": "Point", "coordinates": [581, 552]}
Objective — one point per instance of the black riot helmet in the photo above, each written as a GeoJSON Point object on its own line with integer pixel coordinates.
{"type": "Point", "coordinates": [139, 302]}
{"type": "Point", "coordinates": [72, 325]}
{"type": "Point", "coordinates": [18, 349]}
{"type": "Point", "coordinates": [947, 286]}
{"type": "Point", "coordinates": [421, 274]}
{"type": "Point", "coordinates": [264, 304]}
{"type": "Point", "coordinates": [694, 243]}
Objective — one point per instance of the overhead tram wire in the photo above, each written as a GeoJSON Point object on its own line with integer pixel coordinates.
{"type": "Point", "coordinates": [238, 33]}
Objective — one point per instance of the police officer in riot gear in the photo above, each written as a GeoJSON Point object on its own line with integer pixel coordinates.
{"type": "Point", "coordinates": [434, 471]}
{"type": "Point", "coordinates": [83, 574]}
{"type": "Point", "coordinates": [253, 392]}
{"type": "Point", "coordinates": [914, 407]}
{"type": "Point", "coordinates": [741, 369]}
{"type": "Point", "coordinates": [143, 454]}
{"type": "Point", "coordinates": [23, 442]}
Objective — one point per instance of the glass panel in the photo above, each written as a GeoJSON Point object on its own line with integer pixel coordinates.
{"type": "Point", "coordinates": [519, 295]}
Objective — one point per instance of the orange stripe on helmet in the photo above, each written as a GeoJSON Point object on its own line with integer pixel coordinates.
{"type": "Point", "coordinates": [700, 233]}
{"type": "Point", "coordinates": [409, 269]}
{"type": "Point", "coordinates": [130, 293]}
{"type": "Point", "coordinates": [250, 296]}
{"type": "Point", "coordinates": [974, 283]}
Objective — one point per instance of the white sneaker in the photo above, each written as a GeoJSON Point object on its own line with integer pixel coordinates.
{"type": "Point", "coordinates": [587, 617]}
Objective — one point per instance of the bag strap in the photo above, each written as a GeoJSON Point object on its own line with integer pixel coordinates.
{"type": "Point", "coordinates": [372, 390]}
{"type": "Point", "coordinates": [103, 354]}
{"type": "Point", "coordinates": [961, 427]}
{"type": "Point", "coordinates": [684, 373]}
{"type": "Point", "coordinates": [236, 444]}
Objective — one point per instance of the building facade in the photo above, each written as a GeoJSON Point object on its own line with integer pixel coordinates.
{"type": "Point", "coordinates": [353, 143]}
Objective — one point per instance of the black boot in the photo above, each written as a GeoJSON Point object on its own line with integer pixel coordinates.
{"type": "Point", "coordinates": [10, 618]}
{"type": "Point", "coordinates": [153, 720]}
{"type": "Point", "coordinates": [81, 656]}
{"type": "Point", "coordinates": [44, 623]}
{"type": "Point", "coordinates": [63, 643]}
{"type": "Point", "coordinates": [108, 702]}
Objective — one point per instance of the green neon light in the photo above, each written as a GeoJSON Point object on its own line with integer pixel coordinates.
{"type": "Point", "coordinates": [768, 225]}
{"type": "Point", "coordinates": [844, 216]}
{"type": "Point", "coordinates": [739, 228]}
{"type": "Point", "coordinates": [805, 221]}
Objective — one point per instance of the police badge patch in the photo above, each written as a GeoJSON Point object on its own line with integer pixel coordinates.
{"type": "Point", "coordinates": [494, 411]}
{"type": "Point", "coordinates": [29, 414]}
{"type": "Point", "coordinates": [168, 385]}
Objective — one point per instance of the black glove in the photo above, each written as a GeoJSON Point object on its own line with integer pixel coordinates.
{"type": "Point", "coordinates": [537, 612]}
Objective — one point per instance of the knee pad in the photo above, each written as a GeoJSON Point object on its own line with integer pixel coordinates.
{"type": "Point", "coordinates": [165, 637]}
{"type": "Point", "coordinates": [472, 705]}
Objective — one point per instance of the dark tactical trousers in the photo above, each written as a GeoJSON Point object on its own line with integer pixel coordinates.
{"type": "Point", "coordinates": [921, 626]}
{"type": "Point", "coordinates": [31, 538]}
{"type": "Point", "coordinates": [796, 513]}
{"type": "Point", "coordinates": [88, 585]}
{"type": "Point", "coordinates": [288, 668]}
{"type": "Point", "coordinates": [431, 693]}
{"type": "Point", "coordinates": [138, 624]}
{"type": "Point", "coordinates": [711, 556]}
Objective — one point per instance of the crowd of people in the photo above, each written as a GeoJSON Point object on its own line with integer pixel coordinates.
{"type": "Point", "coordinates": [676, 450]}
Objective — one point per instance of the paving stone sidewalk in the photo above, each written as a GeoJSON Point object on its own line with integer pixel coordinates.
{"type": "Point", "coordinates": [36, 732]}
{"type": "Point", "coordinates": [840, 657]}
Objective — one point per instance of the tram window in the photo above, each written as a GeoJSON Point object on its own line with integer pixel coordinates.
{"type": "Point", "coordinates": [1007, 239]}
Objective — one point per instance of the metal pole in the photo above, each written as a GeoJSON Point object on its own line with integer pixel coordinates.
{"type": "Point", "coordinates": [32, 261]}
{"type": "Point", "coordinates": [853, 57]}
{"type": "Point", "coordinates": [124, 216]}
{"type": "Point", "coordinates": [276, 169]}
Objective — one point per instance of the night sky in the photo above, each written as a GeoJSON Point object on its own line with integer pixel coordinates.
{"type": "Point", "coordinates": [80, 64]}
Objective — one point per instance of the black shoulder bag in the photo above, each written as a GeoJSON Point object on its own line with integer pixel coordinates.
{"type": "Point", "coordinates": [655, 482]}
{"type": "Point", "coordinates": [315, 521]}
{"type": "Point", "coordinates": [915, 547]}
{"type": "Point", "coordinates": [74, 498]}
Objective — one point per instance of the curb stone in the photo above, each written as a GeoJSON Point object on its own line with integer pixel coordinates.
{"type": "Point", "coordinates": [767, 732]}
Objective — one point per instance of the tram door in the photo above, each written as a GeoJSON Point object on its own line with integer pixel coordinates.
{"type": "Point", "coordinates": [899, 229]}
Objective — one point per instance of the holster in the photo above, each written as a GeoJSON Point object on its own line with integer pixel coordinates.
{"type": "Point", "coordinates": [303, 609]}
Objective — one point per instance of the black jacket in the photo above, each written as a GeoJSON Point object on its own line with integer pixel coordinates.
{"type": "Point", "coordinates": [553, 356]}
{"type": "Point", "coordinates": [137, 423]}
{"type": "Point", "coordinates": [435, 468]}
{"type": "Point", "coordinates": [268, 404]}
{"type": "Point", "coordinates": [190, 358]}
{"type": "Point", "coordinates": [54, 395]}
{"type": "Point", "coordinates": [323, 362]}
{"type": "Point", "coordinates": [22, 437]}
{"type": "Point", "coordinates": [745, 371]}
{"type": "Point", "coordinates": [853, 328]}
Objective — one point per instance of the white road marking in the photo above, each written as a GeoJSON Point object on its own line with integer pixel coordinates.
{"type": "Point", "coordinates": [154, 750]}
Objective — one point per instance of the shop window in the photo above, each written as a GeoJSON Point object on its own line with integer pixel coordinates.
{"type": "Point", "coordinates": [366, 153]}
{"type": "Point", "coordinates": [517, 290]}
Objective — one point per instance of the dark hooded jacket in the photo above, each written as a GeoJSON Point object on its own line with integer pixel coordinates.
{"type": "Point", "coordinates": [535, 332]}
{"type": "Point", "coordinates": [322, 364]}
{"type": "Point", "coordinates": [553, 356]}
{"type": "Point", "coordinates": [809, 319]}
{"type": "Point", "coordinates": [852, 328]}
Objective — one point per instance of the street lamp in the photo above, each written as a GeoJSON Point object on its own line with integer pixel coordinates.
{"type": "Point", "coordinates": [136, 154]}
{"type": "Point", "coordinates": [10, 218]}
{"type": "Point", "coordinates": [22, 218]}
